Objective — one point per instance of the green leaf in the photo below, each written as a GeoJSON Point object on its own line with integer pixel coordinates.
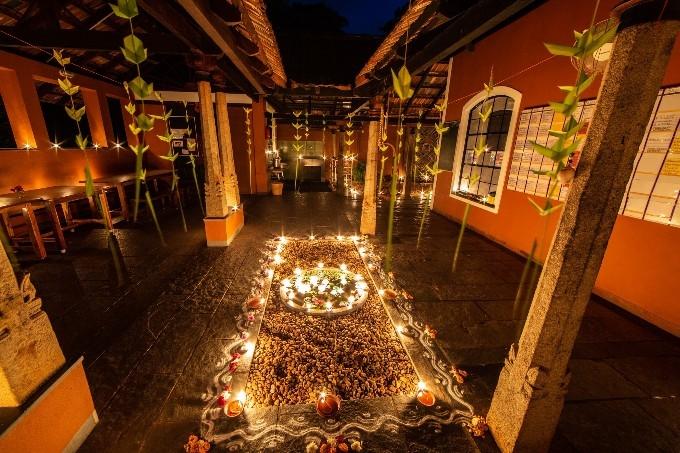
{"type": "Point", "coordinates": [600, 40]}
{"type": "Point", "coordinates": [485, 111]}
{"type": "Point", "coordinates": [349, 142]}
{"type": "Point", "coordinates": [139, 149]}
{"type": "Point", "coordinates": [440, 128]}
{"type": "Point", "coordinates": [140, 88]}
{"type": "Point", "coordinates": [131, 108]}
{"type": "Point", "coordinates": [68, 87]}
{"type": "Point", "coordinates": [549, 207]}
{"type": "Point", "coordinates": [75, 114]}
{"type": "Point", "coordinates": [473, 179]}
{"type": "Point", "coordinates": [165, 137]}
{"type": "Point", "coordinates": [133, 49]}
{"type": "Point", "coordinates": [402, 83]}
{"type": "Point", "coordinates": [545, 151]}
{"type": "Point", "coordinates": [134, 129]}
{"type": "Point", "coordinates": [564, 108]}
{"type": "Point", "coordinates": [565, 51]}
{"type": "Point", "coordinates": [544, 173]}
{"type": "Point", "coordinates": [81, 142]}
{"type": "Point", "coordinates": [126, 9]}
{"type": "Point", "coordinates": [170, 158]}
{"type": "Point", "coordinates": [57, 54]}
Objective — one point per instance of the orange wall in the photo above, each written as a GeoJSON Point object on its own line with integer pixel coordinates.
{"type": "Point", "coordinates": [641, 279]}
{"type": "Point", "coordinates": [55, 418]}
{"type": "Point", "coordinates": [42, 166]}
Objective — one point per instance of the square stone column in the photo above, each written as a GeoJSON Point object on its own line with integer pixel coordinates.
{"type": "Point", "coordinates": [29, 350]}
{"type": "Point", "coordinates": [368, 207]}
{"type": "Point", "coordinates": [528, 400]}
{"type": "Point", "coordinates": [227, 151]}
{"type": "Point", "coordinates": [216, 206]}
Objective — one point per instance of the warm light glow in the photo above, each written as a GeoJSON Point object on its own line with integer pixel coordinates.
{"type": "Point", "coordinates": [322, 396]}
{"type": "Point", "coordinates": [55, 146]}
{"type": "Point", "coordinates": [320, 265]}
{"type": "Point", "coordinates": [400, 329]}
{"type": "Point", "coordinates": [381, 292]}
{"type": "Point", "coordinates": [270, 273]}
{"type": "Point", "coordinates": [97, 146]}
{"type": "Point", "coordinates": [421, 386]}
{"type": "Point", "coordinates": [354, 238]}
{"type": "Point", "coordinates": [283, 239]}
{"type": "Point", "coordinates": [340, 237]}
{"type": "Point", "coordinates": [117, 145]}
{"type": "Point", "coordinates": [311, 237]}
{"type": "Point", "coordinates": [27, 146]}
{"type": "Point", "coordinates": [329, 306]}
{"type": "Point", "coordinates": [278, 259]}
{"type": "Point", "coordinates": [241, 396]}
{"type": "Point", "coordinates": [298, 271]}
{"type": "Point", "coordinates": [249, 347]}
{"type": "Point", "coordinates": [343, 267]}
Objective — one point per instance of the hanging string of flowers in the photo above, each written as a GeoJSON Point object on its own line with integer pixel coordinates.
{"type": "Point", "coordinates": [434, 169]}
{"type": "Point", "coordinates": [297, 146]}
{"type": "Point", "coordinates": [349, 141]}
{"type": "Point", "coordinates": [171, 156]}
{"type": "Point", "coordinates": [134, 51]}
{"type": "Point", "coordinates": [564, 141]}
{"type": "Point", "coordinates": [401, 84]}
{"type": "Point", "coordinates": [191, 146]}
{"type": "Point", "coordinates": [382, 145]}
{"type": "Point", "coordinates": [484, 111]}
{"type": "Point", "coordinates": [249, 142]}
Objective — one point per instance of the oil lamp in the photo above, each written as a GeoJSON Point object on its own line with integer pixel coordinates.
{"type": "Point", "coordinates": [424, 396]}
{"type": "Point", "coordinates": [327, 405]}
{"type": "Point", "coordinates": [235, 406]}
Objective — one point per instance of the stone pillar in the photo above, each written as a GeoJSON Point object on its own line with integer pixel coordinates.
{"type": "Point", "coordinates": [529, 397]}
{"type": "Point", "coordinates": [215, 195]}
{"type": "Point", "coordinates": [368, 206]}
{"type": "Point", "coordinates": [227, 151]}
{"type": "Point", "coordinates": [261, 176]}
{"type": "Point", "coordinates": [29, 350]}
{"type": "Point", "coordinates": [221, 225]}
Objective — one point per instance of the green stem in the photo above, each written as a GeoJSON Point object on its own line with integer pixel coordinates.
{"type": "Point", "coordinates": [426, 210]}
{"type": "Point", "coordinates": [390, 219]}
{"type": "Point", "coordinates": [198, 187]}
{"type": "Point", "coordinates": [517, 309]}
{"type": "Point", "coordinates": [382, 171]}
{"type": "Point", "coordinates": [463, 224]}
{"type": "Point", "coordinates": [149, 202]}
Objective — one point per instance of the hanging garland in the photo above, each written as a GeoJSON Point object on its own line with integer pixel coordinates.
{"type": "Point", "coordinates": [249, 142]}
{"type": "Point", "coordinates": [297, 146]}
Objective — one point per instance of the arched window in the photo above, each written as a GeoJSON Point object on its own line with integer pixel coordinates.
{"type": "Point", "coordinates": [479, 177]}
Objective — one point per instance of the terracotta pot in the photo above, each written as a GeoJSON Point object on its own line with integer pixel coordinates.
{"type": "Point", "coordinates": [426, 398]}
{"type": "Point", "coordinates": [277, 188]}
{"type": "Point", "coordinates": [328, 405]}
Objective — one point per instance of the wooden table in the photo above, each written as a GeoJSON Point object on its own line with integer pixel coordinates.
{"type": "Point", "coordinates": [120, 181]}
{"type": "Point", "coordinates": [48, 198]}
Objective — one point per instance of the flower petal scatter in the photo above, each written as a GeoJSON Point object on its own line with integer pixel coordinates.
{"type": "Point", "coordinates": [354, 356]}
{"type": "Point", "coordinates": [196, 445]}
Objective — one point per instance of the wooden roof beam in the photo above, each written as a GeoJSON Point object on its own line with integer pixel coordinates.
{"type": "Point", "coordinates": [222, 36]}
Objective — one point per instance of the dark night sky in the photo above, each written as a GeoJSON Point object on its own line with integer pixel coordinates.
{"type": "Point", "coordinates": [363, 16]}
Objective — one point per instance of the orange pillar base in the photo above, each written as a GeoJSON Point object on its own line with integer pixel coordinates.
{"type": "Point", "coordinates": [58, 420]}
{"type": "Point", "coordinates": [220, 231]}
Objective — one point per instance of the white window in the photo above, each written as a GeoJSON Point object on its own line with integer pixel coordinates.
{"type": "Point", "coordinates": [479, 179]}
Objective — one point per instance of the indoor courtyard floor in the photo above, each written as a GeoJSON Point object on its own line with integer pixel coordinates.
{"type": "Point", "coordinates": [152, 328]}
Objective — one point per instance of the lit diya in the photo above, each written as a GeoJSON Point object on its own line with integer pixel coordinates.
{"type": "Point", "coordinates": [327, 405]}
{"type": "Point", "coordinates": [235, 407]}
{"type": "Point", "coordinates": [424, 397]}
{"type": "Point", "coordinates": [255, 303]}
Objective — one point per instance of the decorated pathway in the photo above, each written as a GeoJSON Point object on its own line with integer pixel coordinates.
{"type": "Point", "coordinates": [154, 345]}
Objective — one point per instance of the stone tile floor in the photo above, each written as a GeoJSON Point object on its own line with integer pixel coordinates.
{"type": "Point", "coordinates": [149, 334]}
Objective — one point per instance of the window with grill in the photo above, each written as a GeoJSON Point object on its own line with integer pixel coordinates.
{"type": "Point", "coordinates": [479, 178]}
